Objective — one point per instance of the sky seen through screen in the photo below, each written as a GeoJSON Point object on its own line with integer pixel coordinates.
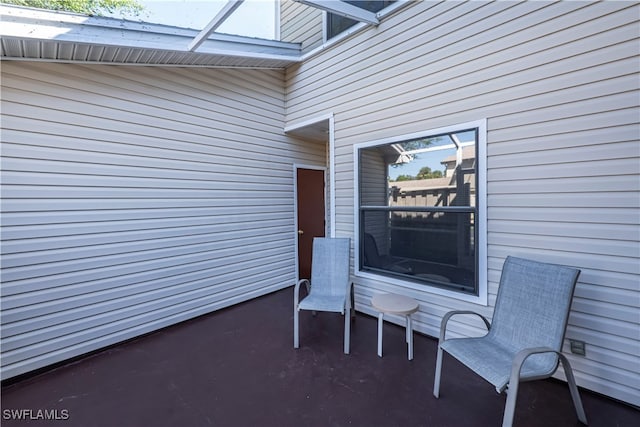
{"type": "Point", "coordinates": [254, 18]}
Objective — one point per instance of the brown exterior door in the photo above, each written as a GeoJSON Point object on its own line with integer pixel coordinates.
{"type": "Point", "coordinates": [311, 211]}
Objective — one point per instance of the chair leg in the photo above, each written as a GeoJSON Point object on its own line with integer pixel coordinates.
{"type": "Point", "coordinates": [573, 388]}
{"type": "Point", "coordinates": [436, 381]}
{"type": "Point", "coordinates": [380, 329]}
{"type": "Point", "coordinates": [296, 327]}
{"type": "Point", "coordinates": [347, 330]}
{"type": "Point", "coordinates": [353, 303]}
{"type": "Point", "coordinates": [409, 332]}
{"type": "Point", "coordinates": [510, 406]}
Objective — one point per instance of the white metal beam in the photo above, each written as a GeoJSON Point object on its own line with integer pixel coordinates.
{"type": "Point", "coordinates": [342, 8]}
{"type": "Point", "coordinates": [222, 16]}
{"type": "Point", "coordinates": [43, 35]}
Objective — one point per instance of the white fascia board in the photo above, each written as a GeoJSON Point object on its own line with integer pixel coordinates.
{"type": "Point", "coordinates": [341, 8]}
{"type": "Point", "coordinates": [33, 24]}
{"type": "Point", "coordinates": [213, 25]}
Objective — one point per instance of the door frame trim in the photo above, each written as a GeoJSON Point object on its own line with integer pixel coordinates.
{"type": "Point", "coordinates": [331, 161]}
{"type": "Point", "coordinates": [297, 166]}
{"type": "Point", "coordinates": [329, 173]}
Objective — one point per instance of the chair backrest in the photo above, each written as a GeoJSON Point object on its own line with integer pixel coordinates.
{"type": "Point", "coordinates": [532, 306]}
{"type": "Point", "coordinates": [371, 254]}
{"type": "Point", "coordinates": [330, 266]}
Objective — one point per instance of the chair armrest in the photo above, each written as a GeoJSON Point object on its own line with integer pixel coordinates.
{"type": "Point", "coordinates": [445, 320]}
{"type": "Point", "coordinates": [296, 292]}
{"type": "Point", "coordinates": [518, 361]}
{"type": "Point", "coordinates": [522, 355]}
{"type": "Point", "coordinates": [514, 381]}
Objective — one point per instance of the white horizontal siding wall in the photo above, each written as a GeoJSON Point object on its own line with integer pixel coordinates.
{"type": "Point", "coordinates": [301, 24]}
{"type": "Point", "coordinates": [558, 85]}
{"type": "Point", "coordinates": [134, 198]}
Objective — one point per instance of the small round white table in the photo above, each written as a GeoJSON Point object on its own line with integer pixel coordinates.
{"type": "Point", "coordinates": [395, 304]}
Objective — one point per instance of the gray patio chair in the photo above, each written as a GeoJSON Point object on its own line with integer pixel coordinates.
{"type": "Point", "coordinates": [329, 288]}
{"type": "Point", "coordinates": [524, 341]}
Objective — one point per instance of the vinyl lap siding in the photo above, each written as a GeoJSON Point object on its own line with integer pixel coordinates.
{"type": "Point", "coordinates": [578, 205]}
{"type": "Point", "coordinates": [134, 198]}
{"type": "Point", "coordinates": [301, 24]}
{"type": "Point", "coordinates": [557, 83]}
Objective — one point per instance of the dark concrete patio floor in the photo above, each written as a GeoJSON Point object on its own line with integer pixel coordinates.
{"type": "Point", "coordinates": [237, 367]}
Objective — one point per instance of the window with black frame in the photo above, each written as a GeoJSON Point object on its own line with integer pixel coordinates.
{"type": "Point", "coordinates": [418, 210]}
{"type": "Point", "coordinates": [337, 24]}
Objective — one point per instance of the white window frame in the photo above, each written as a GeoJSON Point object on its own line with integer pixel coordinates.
{"type": "Point", "coordinates": [481, 164]}
{"type": "Point", "coordinates": [392, 8]}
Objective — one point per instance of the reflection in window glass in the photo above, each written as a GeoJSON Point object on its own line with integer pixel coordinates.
{"type": "Point", "coordinates": [418, 210]}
